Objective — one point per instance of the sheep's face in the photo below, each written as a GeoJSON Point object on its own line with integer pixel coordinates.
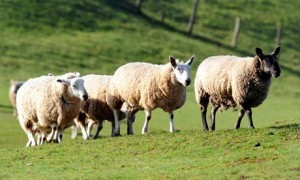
{"type": "Point", "coordinates": [270, 62]}
{"type": "Point", "coordinates": [76, 87]}
{"type": "Point", "coordinates": [182, 70]}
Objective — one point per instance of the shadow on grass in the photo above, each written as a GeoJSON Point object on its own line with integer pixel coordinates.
{"type": "Point", "coordinates": [5, 106]}
{"type": "Point", "coordinates": [129, 7]}
{"type": "Point", "coordinates": [287, 126]}
{"type": "Point", "coordinates": [290, 70]}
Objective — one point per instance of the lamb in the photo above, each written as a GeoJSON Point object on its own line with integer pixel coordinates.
{"type": "Point", "coordinates": [50, 102]}
{"type": "Point", "coordinates": [230, 81]}
{"type": "Point", "coordinates": [96, 109]}
{"type": "Point", "coordinates": [14, 87]}
{"type": "Point", "coordinates": [145, 86]}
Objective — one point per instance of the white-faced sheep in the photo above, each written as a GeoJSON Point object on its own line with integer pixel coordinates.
{"type": "Point", "coordinates": [14, 87]}
{"type": "Point", "coordinates": [96, 107]}
{"type": "Point", "coordinates": [230, 81]}
{"type": "Point", "coordinates": [145, 86]}
{"type": "Point", "coordinates": [50, 102]}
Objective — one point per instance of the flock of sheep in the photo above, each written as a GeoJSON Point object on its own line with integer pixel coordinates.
{"type": "Point", "coordinates": [49, 104]}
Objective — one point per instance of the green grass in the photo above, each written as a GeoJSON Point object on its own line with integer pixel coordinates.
{"type": "Point", "coordinates": [269, 153]}
{"type": "Point", "coordinates": [38, 37]}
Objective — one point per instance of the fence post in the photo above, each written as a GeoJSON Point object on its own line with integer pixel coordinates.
{"type": "Point", "coordinates": [193, 17]}
{"type": "Point", "coordinates": [236, 32]}
{"type": "Point", "coordinates": [138, 5]}
{"type": "Point", "coordinates": [278, 35]}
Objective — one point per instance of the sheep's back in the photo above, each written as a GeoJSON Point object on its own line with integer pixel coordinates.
{"type": "Point", "coordinates": [34, 98]}
{"type": "Point", "coordinates": [131, 80]}
{"type": "Point", "coordinates": [97, 87]}
{"type": "Point", "coordinates": [217, 76]}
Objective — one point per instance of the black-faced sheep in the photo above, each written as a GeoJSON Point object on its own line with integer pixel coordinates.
{"type": "Point", "coordinates": [50, 102]}
{"type": "Point", "coordinates": [145, 86]}
{"type": "Point", "coordinates": [230, 81]}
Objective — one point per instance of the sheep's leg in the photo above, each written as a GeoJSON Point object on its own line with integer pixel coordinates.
{"type": "Point", "coordinates": [203, 109]}
{"type": "Point", "coordinates": [241, 114]}
{"type": "Point", "coordinates": [84, 133]}
{"type": "Point", "coordinates": [117, 123]}
{"type": "Point", "coordinates": [90, 126]}
{"type": "Point", "coordinates": [171, 116]}
{"type": "Point", "coordinates": [55, 137]}
{"type": "Point", "coordinates": [147, 119]}
{"type": "Point", "coordinates": [41, 138]}
{"type": "Point", "coordinates": [112, 128]}
{"type": "Point", "coordinates": [51, 135]}
{"type": "Point", "coordinates": [213, 117]}
{"type": "Point", "coordinates": [130, 120]}
{"type": "Point", "coordinates": [249, 114]}
{"type": "Point", "coordinates": [60, 135]}
{"type": "Point", "coordinates": [100, 126]}
{"type": "Point", "coordinates": [74, 131]}
{"type": "Point", "coordinates": [31, 140]}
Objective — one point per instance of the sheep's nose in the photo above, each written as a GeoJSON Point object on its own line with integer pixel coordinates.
{"type": "Point", "coordinates": [85, 97]}
{"type": "Point", "coordinates": [188, 82]}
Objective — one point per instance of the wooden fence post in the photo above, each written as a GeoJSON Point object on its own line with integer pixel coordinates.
{"type": "Point", "coordinates": [138, 5]}
{"type": "Point", "coordinates": [236, 32]}
{"type": "Point", "coordinates": [278, 36]}
{"type": "Point", "coordinates": [193, 17]}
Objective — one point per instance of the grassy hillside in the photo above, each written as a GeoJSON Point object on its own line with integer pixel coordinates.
{"type": "Point", "coordinates": [263, 153]}
{"type": "Point", "coordinates": [38, 37]}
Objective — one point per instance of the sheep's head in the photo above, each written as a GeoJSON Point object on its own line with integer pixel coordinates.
{"type": "Point", "coordinates": [16, 85]}
{"type": "Point", "coordinates": [75, 86]}
{"type": "Point", "coordinates": [182, 70]}
{"type": "Point", "coordinates": [270, 61]}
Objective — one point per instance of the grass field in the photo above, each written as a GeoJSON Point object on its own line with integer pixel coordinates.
{"type": "Point", "coordinates": [98, 36]}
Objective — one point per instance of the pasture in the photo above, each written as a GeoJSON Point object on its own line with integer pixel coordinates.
{"type": "Point", "coordinates": [97, 37]}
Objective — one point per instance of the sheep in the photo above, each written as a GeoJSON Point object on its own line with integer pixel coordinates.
{"type": "Point", "coordinates": [14, 87]}
{"type": "Point", "coordinates": [230, 81]}
{"type": "Point", "coordinates": [145, 86]}
{"type": "Point", "coordinates": [50, 102]}
{"type": "Point", "coordinates": [96, 109]}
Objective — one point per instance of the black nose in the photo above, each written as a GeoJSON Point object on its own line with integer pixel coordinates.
{"type": "Point", "coordinates": [277, 74]}
{"type": "Point", "coordinates": [85, 97]}
{"type": "Point", "coordinates": [188, 82]}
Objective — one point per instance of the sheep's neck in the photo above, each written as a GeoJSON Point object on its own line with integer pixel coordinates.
{"type": "Point", "coordinates": [169, 84]}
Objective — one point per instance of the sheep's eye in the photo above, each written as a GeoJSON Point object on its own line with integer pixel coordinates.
{"type": "Point", "coordinates": [180, 70]}
{"type": "Point", "coordinates": [74, 86]}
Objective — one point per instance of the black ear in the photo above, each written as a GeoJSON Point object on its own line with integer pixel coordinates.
{"type": "Point", "coordinates": [259, 52]}
{"type": "Point", "coordinates": [63, 81]}
{"type": "Point", "coordinates": [172, 61]}
{"type": "Point", "coordinates": [276, 51]}
{"type": "Point", "coordinates": [190, 61]}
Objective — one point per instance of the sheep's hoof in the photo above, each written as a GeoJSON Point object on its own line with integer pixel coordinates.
{"type": "Point", "coordinates": [116, 134]}
{"type": "Point", "coordinates": [55, 141]}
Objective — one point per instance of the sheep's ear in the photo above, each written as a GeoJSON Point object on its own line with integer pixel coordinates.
{"type": "Point", "coordinates": [63, 81]}
{"type": "Point", "coordinates": [276, 51]}
{"type": "Point", "coordinates": [77, 74]}
{"type": "Point", "coordinates": [172, 61]}
{"type": "Point", "coordinates": [259, 52]}
{"type": "Point", "coordinates": [190, 61]}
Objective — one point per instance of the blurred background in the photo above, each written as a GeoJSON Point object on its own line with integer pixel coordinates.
{"type": "Point", "coordinates": [38, 37]}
